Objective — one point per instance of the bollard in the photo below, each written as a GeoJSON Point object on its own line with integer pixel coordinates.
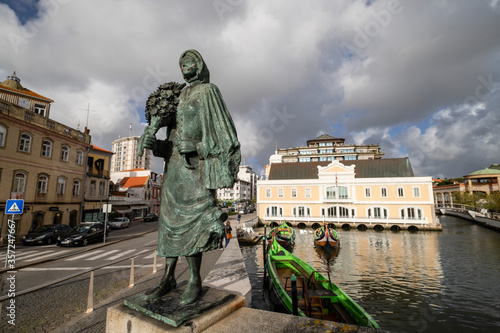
{"type": "Point", "coordinates": [265, 260]}
{"type": "Point", "coordinates": [295, 310]}
{"type": "Point", "coordinates": [131, 284]}
{"type": "Point", "coordinates": [154, 262]}
{"type": "Point", "coordinates": [90, 300]}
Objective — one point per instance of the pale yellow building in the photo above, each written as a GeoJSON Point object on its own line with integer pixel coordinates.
{"type": "Point", "coordinates": [375, 193]}
{"type": "Point", "coordinates": [41, 161]}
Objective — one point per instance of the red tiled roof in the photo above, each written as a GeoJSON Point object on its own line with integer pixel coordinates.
{"type": "Point", "coordinates": [101, 149]}
{"type": "Point", "coordinates": [134, 181]}
{"type": "Point", "coordinates": [26, 92]}
{"type": "Point", "coordinates": [139, 169]}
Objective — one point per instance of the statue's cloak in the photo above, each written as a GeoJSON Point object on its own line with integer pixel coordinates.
{"type": "Point", "coordinates": [190, 221]}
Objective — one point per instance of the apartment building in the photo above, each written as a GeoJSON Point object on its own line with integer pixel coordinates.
{"type": "Point", "coordinates": [41, 161]}
{"type": "Point", "coordinates": [328, 148]}
{"type": "Point", "coordinates": [244, 188]}
{"type": "Point", "coordinates": [125, 155]}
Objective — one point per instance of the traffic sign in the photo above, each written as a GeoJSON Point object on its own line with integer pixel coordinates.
{"type": "Point", "coordinates": [14, 206]}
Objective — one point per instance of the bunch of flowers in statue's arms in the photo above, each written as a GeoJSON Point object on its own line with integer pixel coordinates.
{"type": "Point", "coordinates": [162, 104]}
{"type": "Point", "coordinates": [161, 107]}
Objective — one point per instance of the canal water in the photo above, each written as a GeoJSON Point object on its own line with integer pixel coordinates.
{"type": "Point", "coordinates": [432, 281]}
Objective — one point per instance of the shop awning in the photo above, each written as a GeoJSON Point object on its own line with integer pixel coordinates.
{"type": "Point", "coordinates": [122, 209]}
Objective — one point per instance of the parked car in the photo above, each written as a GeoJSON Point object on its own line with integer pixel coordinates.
{"type": "Point", "coordinates": [119, 223]}
{"type": "Point", "coordinates": [83, 234]}
{"type": "Point", "coordinates": [46, 234]}
{"type": "Point", "coordinates": [108, 228]}
{"type": "Point", "coordinates": [150, 218]}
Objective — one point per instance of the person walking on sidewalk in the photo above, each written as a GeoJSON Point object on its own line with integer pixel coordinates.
{"type": "Point", "coordinates": [228, 231]}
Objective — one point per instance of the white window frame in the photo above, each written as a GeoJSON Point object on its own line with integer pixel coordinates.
{"type": "Point", "coordinates": [416, 192]}
{"type": "Point", "coordinates": [19, 184]}
{"type": "Point", "coordinates": [281, 193]}
{"type": "Point", "coordinates": [76, 187]}
{"type": "Point", "coordinates": [47, 148]}
{"type": "Point", "coordinates": [42, 184]}
{"type": "Point", "coordinates": [368, 192]}
{"type": "Point", "coordinates": [39, 109]}
{"type": "Point", "coordinates": [383, 192]}
{"type": "Point", "coordinates": [268, 193]}
{"type": "Point", "coordinates": [294, 193]}
{"type": "Point", "coordinates": [308, 192]}
{"type": "Point", "coordinates": [25, 142]}
{"type": "Point", "coordinates": [65, 153]}
{"type": "Point", "coordinates": [401, 192]}
{"type": "Point", "coordinates": [3, 135]}
{"type": "Point", "coordinates": [61, 186]}
{"type": "Point", "coordinates": [79, 157]}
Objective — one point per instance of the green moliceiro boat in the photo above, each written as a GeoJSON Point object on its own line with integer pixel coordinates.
{"type": "Point", "coordinates": [318, 297]}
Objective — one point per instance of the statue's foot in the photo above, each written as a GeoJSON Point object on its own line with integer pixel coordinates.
{"type": "Point", "coordinates": [162, 288]}
{"type": "Point", "coordinates": [193, 290]}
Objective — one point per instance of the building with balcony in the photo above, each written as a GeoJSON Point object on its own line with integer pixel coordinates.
{"type": "Point", "coordinates": [328, 148]}
{"type": "Point", "coordinates": [125, 155]}
{"type": "Point", "coordinates": [135, 192]}
{"type": "Point", "coordinates": [97, 182]}
{"type": "Point", "coordinates": [41, 161]}
{"type": "Point", "coordinates": [244, 188]}
{"type": "Point", "coordinates": [372, 193]}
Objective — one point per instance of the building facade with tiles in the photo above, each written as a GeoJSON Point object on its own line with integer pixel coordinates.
{"type": "Point", "coordinates": [363, 194]}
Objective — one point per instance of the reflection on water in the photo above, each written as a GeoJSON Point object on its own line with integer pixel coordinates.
{"type": "Point", "coordinates": [410, 282]}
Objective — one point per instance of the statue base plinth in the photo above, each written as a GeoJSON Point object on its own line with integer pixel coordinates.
{"type": "Point", "coordinates": [165, 313]}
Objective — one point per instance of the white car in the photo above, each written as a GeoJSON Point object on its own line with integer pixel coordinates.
{"type": "Point", "coordinates": [120, 222]}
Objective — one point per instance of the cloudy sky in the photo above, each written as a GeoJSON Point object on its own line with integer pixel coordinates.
{"type": "Point", "coordinates": [420, 78]}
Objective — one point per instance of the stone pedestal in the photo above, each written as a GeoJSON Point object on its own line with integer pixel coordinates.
{"type": "Point", "coordinates": [165, 314]}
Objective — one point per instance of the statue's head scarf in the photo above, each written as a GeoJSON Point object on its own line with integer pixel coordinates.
{"type": "Point", "coordinates": [202, 72]}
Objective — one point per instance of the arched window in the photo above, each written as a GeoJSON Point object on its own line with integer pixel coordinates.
{"type": "Point", "coordinates": [42, 184]}
{"type": "Point", "coordinates": [76, 187]}
{"type": "Point", "coordinates": [377, 213]}
{"type": "Point", "coordinates": [79, 157]}
{"type": "Point", "coordinates": [19, 182]}
{"type": "Point", "coordinates": [3, 135]}
{"type": "Point", "coordinates": [339, 211]}
{"type": "Point", "coordinates": [411, 213]}
{"type": "Point", "coordinates": [65, 153]}
{"type": "Point", "coordinates": [25, 143]}
{"type": "Point", "coordinates": [61, 185]}
{"type": "Point", "coordinates": [46, 148]}
{"type": "Point", "coordinates": [301, 211]}
{"type": "Point", "coordinates": [274, 211]}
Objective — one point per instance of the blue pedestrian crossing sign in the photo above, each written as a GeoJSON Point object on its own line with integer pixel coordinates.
{"type": "Point", "coordinates": [14, 206]}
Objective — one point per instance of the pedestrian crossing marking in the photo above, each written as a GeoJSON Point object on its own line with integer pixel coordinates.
{"type": "Point", "coordinates": [42, 256]}
{"type": "Point", "coordinates": [102, 255]}
{"type": "Point", "coordinates": [34, 255]}
{"type": "Point", "coordinates": [84, 255]}
{"type": "Point", "coordinates": [120, 255]}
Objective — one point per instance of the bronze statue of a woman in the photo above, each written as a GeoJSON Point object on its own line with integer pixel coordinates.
{"type": "Point", "coordinates": [202, 154]}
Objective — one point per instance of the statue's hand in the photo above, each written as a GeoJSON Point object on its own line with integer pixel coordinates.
{"type": "Point", "coordinates": [186, 147]}
{"type": "Point", "coordinates": [146, 141]}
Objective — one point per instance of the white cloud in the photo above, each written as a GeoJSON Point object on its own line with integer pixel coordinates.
{"type": "Point", "coordinates": [336, 67]}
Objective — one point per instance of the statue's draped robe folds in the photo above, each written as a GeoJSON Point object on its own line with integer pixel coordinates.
{"type": "Point", "coordinates": [190, 221]}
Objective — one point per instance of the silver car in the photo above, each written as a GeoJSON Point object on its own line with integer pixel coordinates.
{"type": "Point", "coordinates": [119, 223]}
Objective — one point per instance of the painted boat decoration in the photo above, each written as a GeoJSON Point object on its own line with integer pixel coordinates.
{"type": "Point", "coordinates": [325, 237]}
{"type": "Point", "coordinates": [318, 297]}
{"type": "Point", "coordinates": [284, 235]}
